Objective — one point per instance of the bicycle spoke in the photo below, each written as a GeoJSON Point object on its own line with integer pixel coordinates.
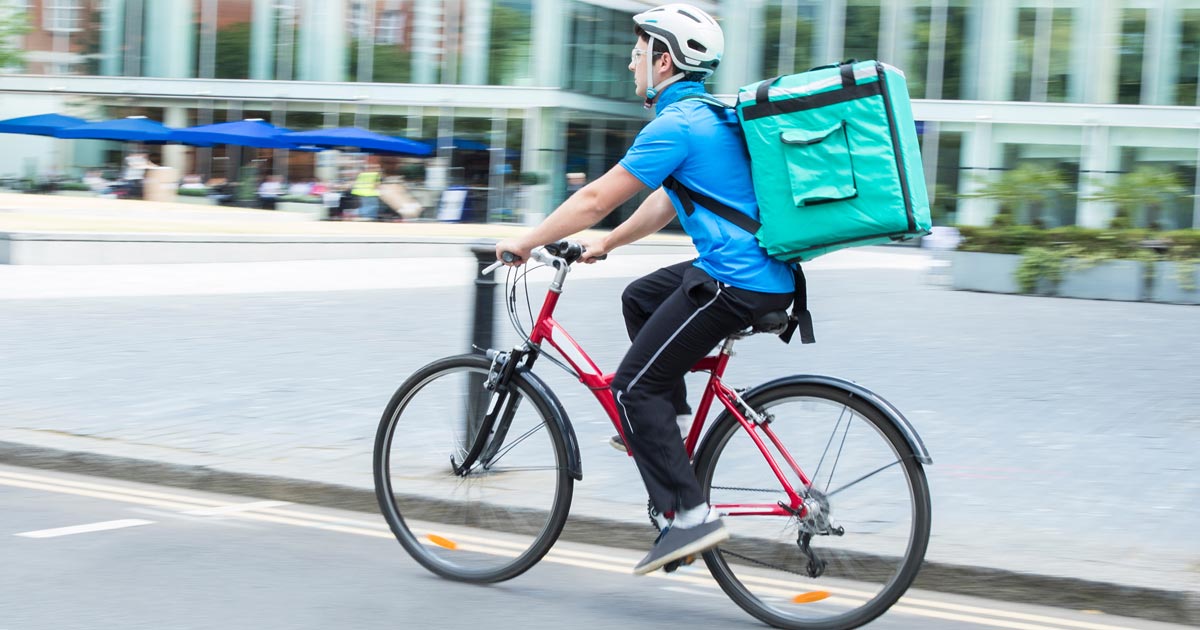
{"type": "Point", "coordinates": [853, 549]}
{"type": "Point", "coordinates": [861, 479]}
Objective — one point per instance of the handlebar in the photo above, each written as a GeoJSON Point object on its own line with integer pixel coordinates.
{"type": "Point", "coordinates": [561, 252]}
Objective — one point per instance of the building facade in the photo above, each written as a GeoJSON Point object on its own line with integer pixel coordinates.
{"type": "Point", "coordinates": [1087, 89]}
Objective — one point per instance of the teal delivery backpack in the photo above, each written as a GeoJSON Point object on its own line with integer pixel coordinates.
{"type": "Point", "coordinates": [835, 159]}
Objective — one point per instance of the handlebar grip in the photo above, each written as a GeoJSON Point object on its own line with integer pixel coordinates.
{"type": "Point", "coordinates": [509, 257]}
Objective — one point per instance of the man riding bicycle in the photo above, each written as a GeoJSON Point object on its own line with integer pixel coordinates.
{"type": "Point", "coordinates": [677, 314]}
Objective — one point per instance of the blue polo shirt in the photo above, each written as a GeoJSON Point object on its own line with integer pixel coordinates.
{"type": "Point", "coordinates": [702, 147]}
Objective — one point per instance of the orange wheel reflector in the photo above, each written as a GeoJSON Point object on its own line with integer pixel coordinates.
{"type": "Point", "coordinates": [810, 597]}
{"type": "Point", "coordinates": [442, 542]}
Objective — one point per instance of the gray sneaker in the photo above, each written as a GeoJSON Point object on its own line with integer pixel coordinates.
{"type": "Point", "coordinates": [617, 443]}
{"type": "Point", "coordinates": [678, 543]}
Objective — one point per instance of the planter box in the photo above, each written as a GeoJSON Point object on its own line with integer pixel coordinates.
{"type": "Point", "coordinates": [195, 201]}
{"type": "Point", "coordinates": [979, 271]}
{"type": "Point", "coordinates": [1110, 280]}
{"type": "Point", "coordinates": [997, 273]}
{"type": "Point", "coordinates": [1167, 288]}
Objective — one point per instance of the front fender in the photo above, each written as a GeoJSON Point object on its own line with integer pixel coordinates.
{"type": "Point", "coordinates": [886, 408]}
{"type": "Point", "coordinates": [558, 415]}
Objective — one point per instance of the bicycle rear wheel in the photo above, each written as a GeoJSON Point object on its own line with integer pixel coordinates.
{"type": "Point", "coordinates": [493, 521]}
{"type": "Point", "coordinates": [859, 545]}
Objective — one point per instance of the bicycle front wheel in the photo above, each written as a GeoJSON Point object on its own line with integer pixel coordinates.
{"type": "Point", "coordinates": [497, 517]}
{"type": "Point", "coordinates": [861, 536]}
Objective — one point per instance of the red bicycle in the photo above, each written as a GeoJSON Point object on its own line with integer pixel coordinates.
{"type": "Point", "coordinates": [819, 480]}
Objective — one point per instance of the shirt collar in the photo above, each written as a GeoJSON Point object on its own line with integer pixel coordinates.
{"type": "Point", "coordinates": [676, 91]}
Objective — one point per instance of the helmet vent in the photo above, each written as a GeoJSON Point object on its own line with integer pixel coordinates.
{"type": "Point", "coordinates": [695, 45]}
{"type": "Point", "coordinates": [696, 19]}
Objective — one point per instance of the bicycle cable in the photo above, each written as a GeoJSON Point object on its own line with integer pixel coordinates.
{"type": "Point", "coordinates": [511, 306]}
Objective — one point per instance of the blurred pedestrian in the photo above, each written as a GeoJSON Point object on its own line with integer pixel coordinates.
{"type": "Point", "coordinates": [269, 191]}
{"type": "Point", "coordinates": [366, 190]}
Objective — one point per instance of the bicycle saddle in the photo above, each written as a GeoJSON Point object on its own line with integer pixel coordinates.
{"type": "Point", "coordinates": [774, 322]}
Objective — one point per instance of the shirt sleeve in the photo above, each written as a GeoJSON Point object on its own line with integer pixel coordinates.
{"type": "Point", "coordinates": [659, 148]}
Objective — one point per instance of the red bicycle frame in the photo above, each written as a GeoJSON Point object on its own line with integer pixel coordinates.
{"type": "Point", "coordinates": [546, 328]}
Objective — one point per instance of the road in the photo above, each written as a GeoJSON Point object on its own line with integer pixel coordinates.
{"type": "Point", "coordinates": [1062, 431]}
{"type": "Point", "coordinates": [87, 552]}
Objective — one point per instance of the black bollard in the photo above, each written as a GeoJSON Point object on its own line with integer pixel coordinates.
{"type": "Point", "coordinates": [482, 326]}
{"type": "Point", "coordinates": [484, 322]}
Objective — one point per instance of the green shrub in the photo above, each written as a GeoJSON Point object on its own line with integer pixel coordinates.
{"type": "Point", "coordinates": [301, 198]}
{"type": "Point", "coordinates": [1041, 264]}
{"type": "Point", "coordinates": [192, 192]}
{"type": "Point", "coordinates": [72, 186]}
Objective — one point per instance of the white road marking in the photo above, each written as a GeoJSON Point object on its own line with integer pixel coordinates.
{"type": "Point", "coordinates": [236, 507]}
{"type": "Point", "coordinates": [265, 511]}
{"type": "Point", "coordinates": [84, 529]}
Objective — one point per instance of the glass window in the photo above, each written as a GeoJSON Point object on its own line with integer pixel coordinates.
{"type": "Point", "coordinates": [1130, 53]}
{"type": "Point", "coordinates": [509, 43]}
{"type": "Point", "coordinates": [598, 51]}
{"type": "Point", "coordinates": [788, 37]}
{"type": "Point", "coordinates": [861, 30]}
{"type": "Point", "coordinates": [62, 15]}
{"type": "Point", "coordinates": [1189, 58]}
{"type": "Point", "coordinates": [1058, 76]}
{"type": "Point", "coordinates": [1022, 71]}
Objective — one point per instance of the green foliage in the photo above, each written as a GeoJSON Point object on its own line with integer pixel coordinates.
{"type": "Point", "coordinates": [1022, 189]}
{"type": "Point", "coordinates": [72, 186]}
{"type": "Point", "coordinates": [192, 192]}
{"type": "Point", "coordinates": [233, 52]}
{"type": "Point", "coordinates": [1048, 254]}
{"type": "Point", "coordinates": [1040, 264]}
{"type": "Point", "coordinates": [301, 198]}
{"type": "Point", "coordinates": [509, 45]}
{"type": "Point", "coordinates": [390, 63]}
{"type": "Point", "coordinates": [13, 24]}
{"type": "Point", "coordinates": [1139, 194]}
{"type": "Point", "coordinates": [531, 178]}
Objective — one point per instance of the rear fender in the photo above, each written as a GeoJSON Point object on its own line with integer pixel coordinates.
{"type": "Point", "coordinates": [875, 400]}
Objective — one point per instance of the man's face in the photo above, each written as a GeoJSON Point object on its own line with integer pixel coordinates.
{"type": "Point", "coordinates": [639, 57]}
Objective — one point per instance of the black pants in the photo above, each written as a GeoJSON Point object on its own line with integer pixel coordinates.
{"type": "Point", "coordinates": [675, 317]}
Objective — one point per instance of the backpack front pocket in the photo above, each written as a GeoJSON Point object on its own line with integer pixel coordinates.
{"type": "Point", "coordinates": [819, 164]}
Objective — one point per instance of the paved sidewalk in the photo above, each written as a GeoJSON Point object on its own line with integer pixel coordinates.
{"type": "Point", "coordinates": [1061, 430]}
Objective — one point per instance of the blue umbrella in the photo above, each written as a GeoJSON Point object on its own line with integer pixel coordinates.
{"type": "Point", "coordinates": [359, 138]}
{"type": "Point", "coordinates": [131, 129]}
{"type": "Point", "coordinates": [252, 132]}
{"type": "Point", "coordinates": [40, 125]}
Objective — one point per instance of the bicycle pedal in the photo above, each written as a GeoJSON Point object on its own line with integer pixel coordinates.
{"type": "Point", "coordinates": [672, 566]}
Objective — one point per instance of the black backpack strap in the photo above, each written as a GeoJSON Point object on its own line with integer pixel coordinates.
{"type": "Point", "coordinates": [688, 198]}
{"type": "Point", "coordinates": [800, 318]}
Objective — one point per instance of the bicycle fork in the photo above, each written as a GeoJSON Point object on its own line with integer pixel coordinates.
{"type": "Point", "coordinates": [490, 430]}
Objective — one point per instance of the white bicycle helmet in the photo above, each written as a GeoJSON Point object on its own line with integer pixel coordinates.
{"type": "Point", "coordinates": [692, 36]}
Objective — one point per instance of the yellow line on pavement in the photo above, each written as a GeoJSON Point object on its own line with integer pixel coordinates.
{"type": "Point", "coordinates": [267, 512]}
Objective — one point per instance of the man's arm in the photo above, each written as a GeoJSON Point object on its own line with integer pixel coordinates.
{"type": "Point", "coordinates": [580, 211]}
{"type": "Point", "coordinates": [653, 215]}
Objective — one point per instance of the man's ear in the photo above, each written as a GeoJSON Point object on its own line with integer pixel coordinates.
{"type": "Point", "coordinates": [665, 63]}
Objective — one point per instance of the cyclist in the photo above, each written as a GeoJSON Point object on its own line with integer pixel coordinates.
{"type": "Point", "coordinates": [676, 315]}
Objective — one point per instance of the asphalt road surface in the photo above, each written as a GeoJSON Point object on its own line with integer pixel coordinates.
{"type": "Point", "coordinates": [86, 552]}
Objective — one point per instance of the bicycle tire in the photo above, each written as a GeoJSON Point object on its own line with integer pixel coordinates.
{"type": "Point", "coordinates": [495, 522]}
{"type": "Point", "coordinates": [870, 565]}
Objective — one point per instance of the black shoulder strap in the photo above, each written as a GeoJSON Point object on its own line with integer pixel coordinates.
{"type": "Point", "coordinates": [688, 198]}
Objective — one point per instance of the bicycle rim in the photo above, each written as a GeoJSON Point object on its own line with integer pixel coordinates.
{"type": "Point", "coordinates": [864, 480]}
{"type": "Point", "coordinates": [499, 518]}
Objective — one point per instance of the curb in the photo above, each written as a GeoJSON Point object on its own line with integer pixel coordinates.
{"type": "Point", "coordinates": [1181, 607]}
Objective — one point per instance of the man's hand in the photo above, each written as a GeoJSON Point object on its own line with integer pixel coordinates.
{"type": "Point", "coordinates": [593, 249]}
{"type": "Point", "coordinates": [514, 247]}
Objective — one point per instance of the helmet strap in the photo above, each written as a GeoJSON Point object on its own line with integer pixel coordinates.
{"type": "Point", "coordinates": [652, 91]}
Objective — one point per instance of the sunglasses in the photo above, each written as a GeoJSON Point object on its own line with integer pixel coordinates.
{"type": "Point", "coordinates": [636, 55]}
